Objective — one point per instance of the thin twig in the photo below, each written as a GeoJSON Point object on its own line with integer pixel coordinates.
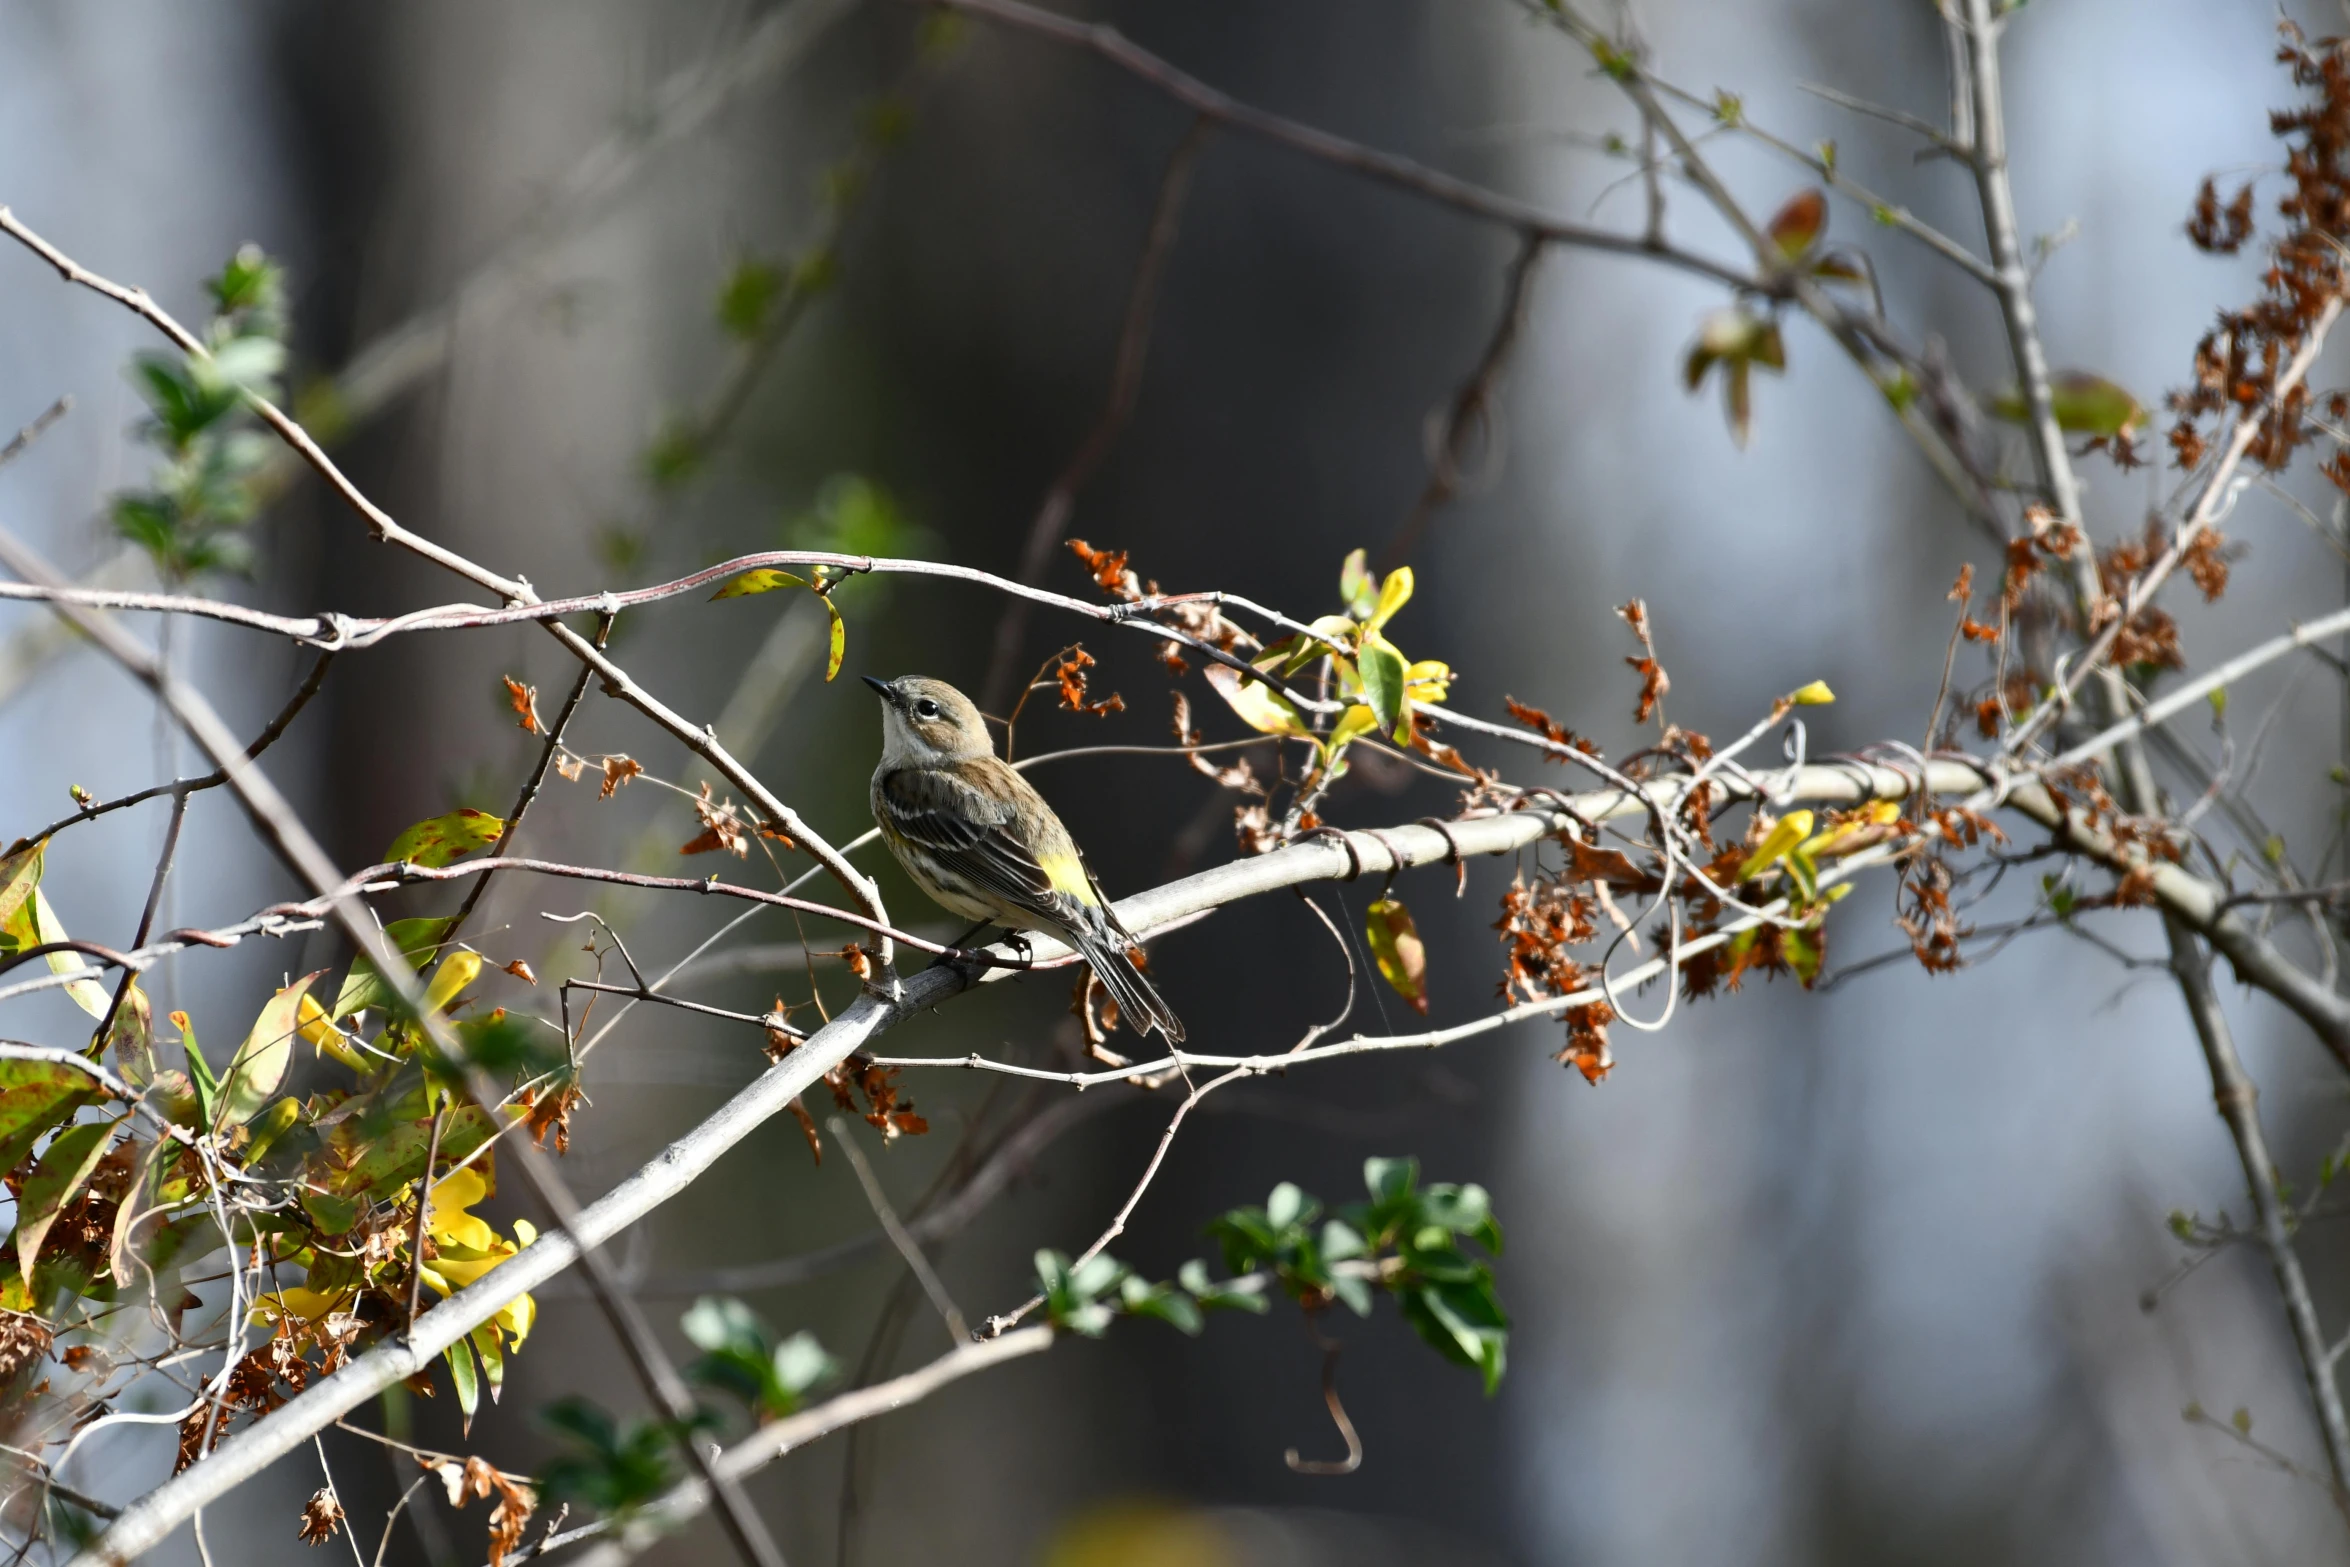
{"type": "Point", "coordinates": [1474, 414]}
{"type": "Point", "coordinates": [416, 1240]}
{"type": "Point", "coordinates": [291, 841]}
{"type": "Point", "coordinates": [996, 1326]}
{"type": "Point", "coordinates": [1338, 1416]}
{"type": "Point", "coordinates": [660, 1517]}
{"type": "Point", "coordinates": [517, 592]}
{"type": "Point", "coordinates": [1384, 167]}
{"type": "Point", "coordinates": [1134, 337]}
{"type": "Point", "coordinates": [538, 778]}
{"type": "Point", "coordinates": [908, 1247]}
{"type": "Point", "coordinates": [2238, 1100]}
{"type": "Point", "coordinates": [23, 440]}
{"type": "Point", "coordinates": [181, 788]}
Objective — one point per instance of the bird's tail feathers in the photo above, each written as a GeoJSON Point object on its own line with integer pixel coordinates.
{"type": "Point", "coordinates": [1139, 1002]}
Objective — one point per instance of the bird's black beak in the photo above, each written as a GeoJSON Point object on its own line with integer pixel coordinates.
{"type": "Point", "coordinates": [881, 688]}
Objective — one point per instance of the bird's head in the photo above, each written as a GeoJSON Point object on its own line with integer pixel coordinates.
{"type": "Point", "coordinates": [925, 723]}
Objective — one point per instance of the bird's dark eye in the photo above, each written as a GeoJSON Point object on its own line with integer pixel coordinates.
{"type": "Point", "coordinates": [926, 708]}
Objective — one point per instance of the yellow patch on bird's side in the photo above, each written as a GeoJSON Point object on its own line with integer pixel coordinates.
{"type": "Point", "coordinates": [1067, 874]}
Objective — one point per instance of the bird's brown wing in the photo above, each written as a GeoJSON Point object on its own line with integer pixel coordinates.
{"type": "Point", "coordinates": [968, 830]}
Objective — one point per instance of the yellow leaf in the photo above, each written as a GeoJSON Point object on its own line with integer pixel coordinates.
{"type": "Point", "coordinates": [1792, 829]}
{"type": "Point", "coordinates": [1397, 949]}
{"type": "Point", "coordinates": [1352, 725]}
{"type": "Point", "coordinates": [297, 1303]}
{"type": "Point", "coordinates": [445, 838]}
{"type": "Point", "coordinates": [458, 970]}
{"type": "Point", "coordinates": [260, 1063]}
{"type": "Point", "coordinates": [87, 994]}
{"type": "Point", "coordinates": [1259, 706]}
{"type": "Point", "coordinates": [1394, 593]}
{"type": "Point", "coordinates": [1816, 694]}
{"type": "Point", "coordinates": [764, 580]}
{"type": "Point", "coordinates": [840, 639]}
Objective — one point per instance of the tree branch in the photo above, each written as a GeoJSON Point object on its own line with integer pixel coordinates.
{"type": "Point", "coordinates": [1134, 336]}
{"type": "Point", "coordinates": [1384, 167]}
{"type": "Point", "coordinates": [665, 1515]}
{"type": "Point", "coordinates": [2232, 1090]}
{"type": "Point", "coordinates": [282, 829]}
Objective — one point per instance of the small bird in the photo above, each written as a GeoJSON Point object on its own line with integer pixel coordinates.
{"type": "Point", "coordinates": [983, 844]}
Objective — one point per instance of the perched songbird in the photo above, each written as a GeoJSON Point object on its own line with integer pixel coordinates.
{"type": "Point", "coordinates": [977, 838]}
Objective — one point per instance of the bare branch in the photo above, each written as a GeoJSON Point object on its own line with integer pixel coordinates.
{"type": "Point", "coordinates": [180, 789]}
{"type": "Point", "coordinates": [1473, 406]}
{"type": "Point", "coordinates": [1385, 167]}
{"type": "Point", "coordinates": [282, 829]}
{"type": "Point", "coordinates": [1134, 337]}
{"type": "Point", "coordinates": [2239, 1106]}
{"type": "Point", "coordinates": [788, 1435]}
{"type": "Point", "coordinates": [908, 1247]}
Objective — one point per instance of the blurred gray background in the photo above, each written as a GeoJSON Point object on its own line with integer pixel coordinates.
{"type": "Point", "coordinates": [1811, 1278]}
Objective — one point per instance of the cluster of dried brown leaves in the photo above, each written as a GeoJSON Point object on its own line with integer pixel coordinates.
{"type": "Point", "coordinates": [1196, 617]}
{"type": "Point", "coordinates": [477, 1479]}
{"type": "Point", "coordinates": [1069, 677]}
{"type": "Point", "coordinates": [254, 1383]}
{"type": "Point", "coordinates": [2238, 361]}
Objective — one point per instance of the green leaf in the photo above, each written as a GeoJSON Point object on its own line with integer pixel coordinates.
{"type": "Point", "coordinates": [389, 1159]}
{"type": "Point", "coordinates": [260, 1063]}
{"type": "Point", "coordinates": [748, 296]}
{"type": "Point", "coordinates": [131, 1036]}
{"type": "Point", "coordinates": [1286, 1206]}
{"type": "Point", "coordinates": [2084, 404]}
{"type": "Point", "coordinates": [1801, 949]}
{"type": "Point", "coordinates": [1462, 1322]}
{"type": "Point", "coordinates": [1356, 590]}
{"type": "Point", "coordinates": [415, 939]}
{"type": "Point", "coordinates": [20, 874]}
{"type": "Point", "coordinates": [1212, 1296]}
{"type": "Point", "coordinates": [800, 1366]}
{"type": "Point", "coordinates": [1160, 1301]}
{"type": "Point", "coordinates": [35, 1096]}
{"type": "Point", "coordinates": [460, 1358]}
{"type": "Point", "coordinates": [1390, 1180]}
{"type": "Point", "coordinates": [674, 455]}
{"type": "Point", "coordinates": [764, 580]}
{"type": "Point", "coordinates": [1398, 950]}
{"type": "Point", "coordinates": [269, 1126]}
{"type": "Point", "coordinates": [441, 839]}
{"type": "Point", "coordinates": [250, 364]}
{"type": "Point", "coordinates": [53, 1183]}
{"type": "Point", "coordinates": [1462, 1210]}
{"type": "Point", "coordinates": [610, 1469]}
{"type": "Point", "coordinates": [1382, 669]}
{"type": "Point", "coordinates": [1095, 1275]}
{"type": "Point", "coordinates": [1355, 1292]}
{"type": "Point", "coordinates": [201, 1079]}
{"type": "Point", "coordinates": [1805, 874]}
{"type": "Point", "coordinates": [329, 1214]}
{"type": "Point", "coordinates": [488, 1345]}
{"type": "Point", "coordinates": [1341, 1242]}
